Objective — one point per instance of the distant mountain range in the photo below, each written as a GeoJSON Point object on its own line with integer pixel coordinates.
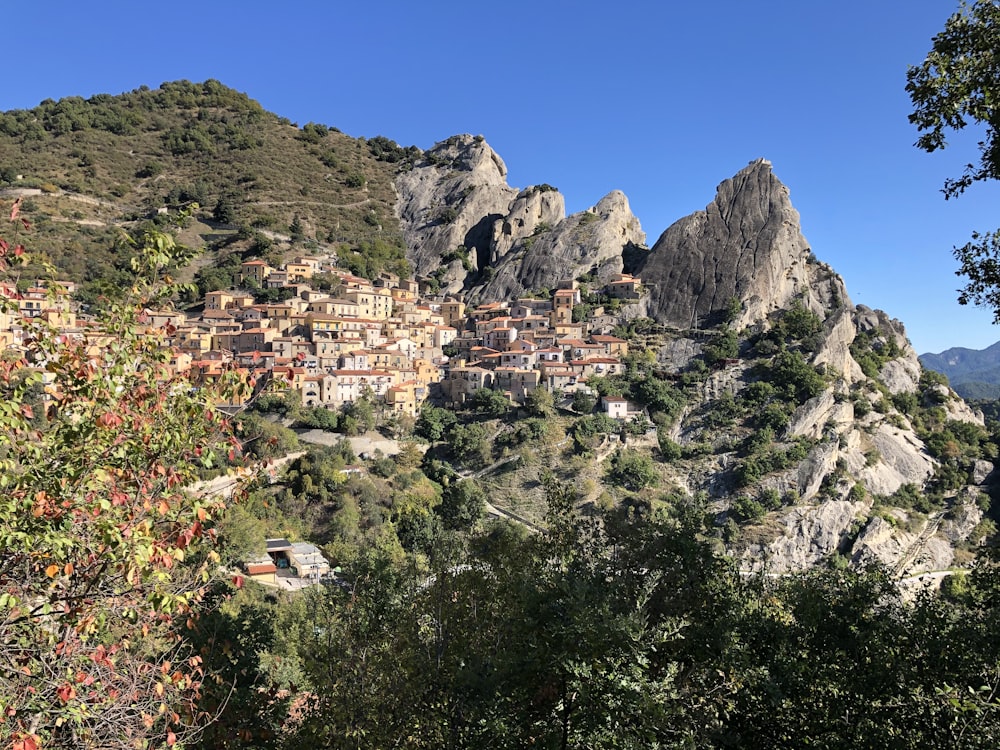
{"type": "Point", "coordinates": [973, 374]}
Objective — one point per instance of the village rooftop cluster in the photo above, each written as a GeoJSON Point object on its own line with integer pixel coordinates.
{"type": "Point", "coordinates": [383, 340]}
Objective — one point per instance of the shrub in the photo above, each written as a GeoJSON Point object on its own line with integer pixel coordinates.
{"type": "Point", "coordinates": [632, 470]}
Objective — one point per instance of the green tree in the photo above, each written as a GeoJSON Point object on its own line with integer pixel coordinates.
{"type": "Point", "coordinates": [434, 422]}
{"type": "Point", "coordinates": [583, 402]}
{"type": "Point", "coordinates": [489, 403]}
{"type": "Point", "coordinates": [462, 504]}
{"type": "Point", "coordinates": [225, 210]}
{"type": "Point", "coordinates": [469, 443]}
{"type": "Point", "coordinates": [540, 403]}
{"type": "Point", "coordinates": [632, 470]}
{"type": "Point", "coordinates": [956, 85]}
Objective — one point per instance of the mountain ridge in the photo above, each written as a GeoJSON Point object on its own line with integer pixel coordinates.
{"type": "Point", "coordinates": [973, 373]}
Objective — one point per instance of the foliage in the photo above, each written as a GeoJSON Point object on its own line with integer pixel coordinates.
{"type": "Point", "coordinates": [434, 422]}
{"type": "Point", "coordinates": [540, 403]}
{"type": "Point", "coordinates": [632, 470]}
{"type": "Point", "coordinates": [369, 258]}
{"type": "Point", "coordinates": [622, 630]}
{"type": "Point", "coordinates": [102, 561]}
{"type": "Point", "coordinates": [872, 349]}
{"type": "Point", "coordinates": [462, 504]}
{"type": "Point", "coordinates": [468, 443]}
{"type": "Point", "coordinates": [357, 417]}
{"type": "Point", "coordinates": [583, 402]}
{"type": "Point", "coordinates": [585, 431]}
{"type": "Point", "coordinates": [725, 345]}
{"type": "Point", "coordinates": [385, 149]}
{"type": "Point", "coordinates": [957, 84]}
{"type": "Point", "coordinates": [669, 450]}
{"type": "Point", "coordinates": [317, 417]}
{"type": "Point", "coordinates": [798, 323]}
{"type": "Point", "coordinates": [90, 146]}
{"type": "Point", "coordinates": [789, 372]}
{"type": "Point", "coordinates": [489, 403]}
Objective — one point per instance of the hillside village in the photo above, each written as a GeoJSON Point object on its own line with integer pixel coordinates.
{"type": "Point", "coordinates": [385, 340]}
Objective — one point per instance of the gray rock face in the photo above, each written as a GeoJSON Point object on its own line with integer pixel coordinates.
{"type": "Point", "coordinates": [452, 198]}
{"type": "Point", "coordinates": [591, 240]}
{"type": "Point", "coordinates": [810, 534]}
{"type": "Point", "coordinates": [880, 543]}
{"type": "Point", "coordinates": [531, 211]}
{"type": "Point", "coordinates": [745, 244]}
{"type": "Point", "coordinates": [458, 197]}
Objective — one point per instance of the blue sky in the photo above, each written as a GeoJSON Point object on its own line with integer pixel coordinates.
{"type": "Point", "coordinates": [662, 100]}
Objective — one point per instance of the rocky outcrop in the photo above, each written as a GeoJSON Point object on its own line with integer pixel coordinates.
{"type": "Point", "coordinates": [456, 205]}
{"type": "Point", "coordinates": [589, 241]}
{"type": "Point", "coordinates": [745, 244]}
{"type": "Point", "coordinates": [451, 199]}
{"type": "Point", "coordinates": [809, 535]}
{"type": "Point", "coordinates": [465, 226]}
{"type": "Point", "coordinates": [533, 211]}
{"type": "Point", "coordinates": [834, 353]}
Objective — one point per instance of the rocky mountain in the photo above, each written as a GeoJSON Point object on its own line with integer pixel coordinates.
{"type": "Point", "coordinates": [802, 422]}
{"type": "Point", "coordinates": [745, 245]}
{"type": "Point", "coordinates": [468, 229]}
{"type": "Point", "coordinates": [973, 373]}
{"type": "Point", "coordinates": [851, 453]}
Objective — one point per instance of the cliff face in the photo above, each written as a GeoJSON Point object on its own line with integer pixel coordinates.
{"type": "Point", "coordinates": [589, 241]}
{"type": "Point", "coordinates": [747, 245]}
{"type": "Point", "coordinates": [516, 240]}
{"type": "Point", "coordinates": [451, 199]}
{"type": "Point", "coordinates": [742, 266]}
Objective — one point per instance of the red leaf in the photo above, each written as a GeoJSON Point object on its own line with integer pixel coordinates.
{"type": "Point", "coordinates": [27, 224]}
{"type": "Point", "coordinates": [238, 581]}
{"type": "Point", "coordinates": [27, 411]}
{"type": "Point", "coordinates": [109, 419]}
{"type": "Point", "coordinates": [19, 250]}
{"type": "Point", "coordinates": [66, 692]}
{"type": "Point", "coordinates": [171, 739]}
{"type": "Point", "coordinates": [15, 210]}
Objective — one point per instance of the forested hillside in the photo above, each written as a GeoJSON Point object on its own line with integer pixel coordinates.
{"type": "Point", "coordinates": [102, 163]}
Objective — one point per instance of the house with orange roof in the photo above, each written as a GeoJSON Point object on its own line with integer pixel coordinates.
{"type": "Point", "coordinates": [613, 346]}
{"type": "Point", "coordinates": [453, 312]}
{"type": "Point", "coordinates": [299, 271]}
{"type": "Point", "coordinates": [572, 330]}
{"type": "Point", "coordinates": [500, 338]}
{"type": "Point", "coordinates": [602, 366]}
{"type": "Point", "coordinates": [335, 306]}
{"type": "Point", "coordinates": [218, 300]}
{"type": "Point", "coordinates": [255, 271]}
{"type": "Point", "coordinates": [403, 399]}
{"type": "Point", "coordinates": [624, 286]}
{"type": "Point", "coordinates": [401, 296]}
{"type": "Point", "coordinates": [563, 302]}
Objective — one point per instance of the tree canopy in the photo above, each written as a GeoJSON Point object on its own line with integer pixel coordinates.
{"type": "Point", "coordinates": [957, 85]}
